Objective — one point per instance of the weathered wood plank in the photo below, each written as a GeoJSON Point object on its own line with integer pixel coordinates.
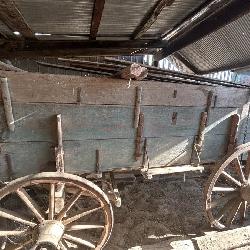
{"type": "Point", "coordinates": [33, 87]}
{"type": "Point", "coordinates": [26, 158]}
{"type": "Point", "coordinates": [169, 151]}
{"type": "Point", "coordinates": [37, 122]}
{"type": "Point", "coordinates": [80, 156]}
{"type": "Point", "coordinates": [214, 148]}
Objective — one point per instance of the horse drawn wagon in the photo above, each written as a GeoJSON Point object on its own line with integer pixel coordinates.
{"type": "Point", "coordinates": [64, 139]}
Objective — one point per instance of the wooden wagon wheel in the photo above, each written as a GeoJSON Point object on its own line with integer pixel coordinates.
{"type": "Point", "coordinates": [39, 226]}
{"type": "Point", "coordinates": [227, 192]}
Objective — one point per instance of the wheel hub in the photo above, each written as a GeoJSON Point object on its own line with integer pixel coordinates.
{"type": "Point", "coordinates": [245, 192]}
{"type": "Point", "coordinates": [49, 234]}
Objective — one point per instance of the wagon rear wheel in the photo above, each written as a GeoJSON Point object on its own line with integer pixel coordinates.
{"type": "Point", "coordinates": [30, 219]}
{"type": "Point", "coordinates": [227, 193]}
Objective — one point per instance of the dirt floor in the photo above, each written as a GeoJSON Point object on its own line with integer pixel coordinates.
{"type": "Point", "coordinates": [155, 213]}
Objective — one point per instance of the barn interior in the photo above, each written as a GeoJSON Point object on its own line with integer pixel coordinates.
{"type": "Point", "coordinates": [124, 124]}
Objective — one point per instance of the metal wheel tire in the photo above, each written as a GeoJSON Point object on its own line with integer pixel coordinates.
{"type": "Point", "coordinates": [227, 191]}
{"type": "Point", "coordinates": [58, 226]}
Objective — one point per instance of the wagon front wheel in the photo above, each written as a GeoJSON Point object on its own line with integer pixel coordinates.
{"type": "Point", "coordinates": [54, 211]}
{"type": "Point", "coordinates": [227, 193]}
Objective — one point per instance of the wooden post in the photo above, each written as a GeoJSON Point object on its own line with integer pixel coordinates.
{"type": "Point", "coordinates": [139, 135]}
{"type": "Point", "coordinates": [59, 191]}
{"type": "Point", "coordinates": [7, 104]}
{"type": "Point", "coordinates": [138, 97]}
{"type": "Point", "coordinates": [59, 149]}
{"type": "Point", "coordinates": [232, 140]}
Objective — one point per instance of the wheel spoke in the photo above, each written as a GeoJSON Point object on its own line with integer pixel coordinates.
{"type": "Point", "coordinates": [238, 167]}
{"type": "Point", "coordinates": [15, 217]}
{"type": "Point", "coordinates": [51, 202]}
{"type": "Point", "coordinates": [83, 227]}
{"type": "Point", "coordinates": [62, 247]}
{"type": "Point", "coordinates": [80, 215]}
{"type": "Point", "coordinates": [13, 233]}
{"type": "Point", "coordinates": [79, 241]}
{"type": "Point", "coordinates": [30, 204]}
{"type": "Point", "coordinates": [70, 204]}
{"type": "Point", "coordinates": [233, 211]}
{"type": "Point", "coordinates": [224, 189]}
{"type": "Point", "coordinates": [231, 178]}
{"type": "Point", "coordinates": [242, 211]}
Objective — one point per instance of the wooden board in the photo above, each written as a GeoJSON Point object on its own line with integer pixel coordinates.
{"type": "Point", "coordinates": [26, 158]}
{"type": "Point", "coordinates": [34, 157]}
{"type": "Point", "coordinates": [169, 151]}
{"type": "Point", "coordinates": [32, 87]}
{"type": "Point", "coordinates": [37, 122]}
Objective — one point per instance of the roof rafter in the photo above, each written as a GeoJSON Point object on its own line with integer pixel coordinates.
{"type": "Point", "coordinates": [12, 17]}
{"type": "Point", "coordinates": [210, 18]}
{"type": "Point", "coordinates": [75, 47]}
{"type": "Point", "coordinates": [96, 18]}
{"type": "Point", "coordinates": [150, 17]}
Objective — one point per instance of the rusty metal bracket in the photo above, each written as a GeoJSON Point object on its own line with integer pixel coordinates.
{"type": "Point", "coordinates": [7, 104]}
{"type": "Point", "coordinates": [79, 95]}
{"type": "Point", "coordinates": [145, 161]}
{"type": "Point", "coordinates": [209, 104]}
{"type": "Point", "coordinates": [138, 99]}
{"type": "Point", "coordinates": [199, 139]}
{"type": "Point", "coordinates": [139, 136]}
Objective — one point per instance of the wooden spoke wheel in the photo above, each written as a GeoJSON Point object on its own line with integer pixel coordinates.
{"type": "Point", "coordinates": [227, 193]}
{"type": "Point", "coordinates": [30, 217]}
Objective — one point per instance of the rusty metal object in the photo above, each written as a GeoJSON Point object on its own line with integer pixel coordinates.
{"type": "Point", "coordinates": [7, 104]}
{"type": "Point", "coordinates": [52, 229]}
{"type": "Point", "coordinates": [139, 136]}
{"type": "Point", "coordinates": [138, 98]}
{"type": "Point", "coordinates": [232, 140]}
{"type": "Point", "coordinates": [199, 139]}
{"type": "Point", "coordinates": [227, 191]}
{"type": "Point", "coordinates": [209, 104]}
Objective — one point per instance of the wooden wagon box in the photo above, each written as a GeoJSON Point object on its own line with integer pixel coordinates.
{"type": "Point", "coordinates": [127, 125]}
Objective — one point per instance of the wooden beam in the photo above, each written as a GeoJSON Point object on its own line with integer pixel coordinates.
{"type": "Point", "coordinates": [208, 19]}
{"type": "Point", "coordinates": [13, 18]}
{"type": "Point", "coordinates": [151, 17]}
{"type": "Point", "coordinates": [57, 48]}
{"type": "Point", "coordinates": [96, 18]}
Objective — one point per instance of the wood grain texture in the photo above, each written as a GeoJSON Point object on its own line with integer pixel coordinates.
{"type": "Point", "coordinates": [80, 156]}
{"type": "Point", "coordinates": [32, 87]}
{"type": "Point", "coordinates": [37, 122]}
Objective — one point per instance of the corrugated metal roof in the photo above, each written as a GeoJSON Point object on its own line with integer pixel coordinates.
{"type": "Point", "coordinates": [4, 30]}
{"type": "Point", "coordinates": [173, 15]}
{"type": "Point", "coordinates": [225, 48]}
{"type": "Point", "coordinates": [122, 17]}
{"type": "Point", "coordinates": [57, 16]}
